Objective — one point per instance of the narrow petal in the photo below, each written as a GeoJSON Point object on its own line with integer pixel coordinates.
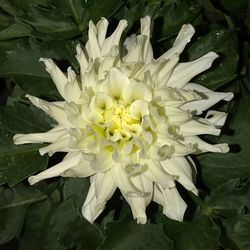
{"type": "Point", "coordinates": [210, 99]}
{"type": "Point", "coordinates": [92, 46]}
{"type": "Point", "coordinates": [61, 145]}
{"type": "Point", "coordinates": [194, 127]}
{"type": "Point", "coordinates": [50, 136]}
{"type": "Point", "coordinates": [82, 60]}
{"type": "Point", "coordinates": [216, 118]}
{"type": "Point", "coordinates": [184, 37]}
{"type": "Point", "coordinates": [145, 31]}
{"type": "Point", "coordinates": [56, 74]}
{"type": "Point", "coordinates": [174, 206]}
{"type": "Point", "coordinates": [137, 203]}
{"type": "Point", "coordinates": [82, 170]}
{"type": "Point", "coordinates": [72, 160]}
{"type": "Point", "coordinates": [72, 89]}
{"type": "Point", "coordinates": [206, 147]}
{"type": "Point", "coordinates": [101, 189]}
{"type": "Point", "coordinates": [156, 174]}
{"type": "Point", "coordinates": [90, 210]}
{"type": "Point", "coordinates": [182, 170]}
{"type": "Point", "coordinates": [104, 186]}
{"type": "Point", "coordinates": [102, 27]}
{"type": "Point", "coordinates": [53, 109]}
{"type": "Point", "coordinates": [114, 39]}
{"type": "Point", "coordinates": [184, 72]}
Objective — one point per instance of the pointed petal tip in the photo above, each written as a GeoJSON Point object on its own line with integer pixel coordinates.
{"type": "Point", "coordinates": [141, 220]}
{"type": "Point", "coordinates": [49, 64]}
{"type": "Point", "coordinates": [17, 139]}
{"type": "Point", "coordinates": [33, 180]}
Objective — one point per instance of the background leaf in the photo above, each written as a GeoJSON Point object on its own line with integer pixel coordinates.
{"type": "Point", "coordinates": [201, 233]}
{"type": "Point", "coordinates": [126, 235]}
{"type": "Point", "coordinates": [18, 162]}
{"type": "Point", "coordinates": [218, 168]}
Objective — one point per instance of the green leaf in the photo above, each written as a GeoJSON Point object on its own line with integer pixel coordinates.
{"type": "Point", "coordinates": [23, 58]}
{"type": "Point", "coordinates": [219, 168]}
{"type": "Point", "coordinates": [37, 86]}
{"type": "Point", "coordinates": [228, 198]}
{"type": "Point", "coordinates": [196, 235]}
{"type": "Point", "coordinates": [17, 162]}
{"type": "Point", "coordinates": [234, 5]}
{"type": "Point", "coordinates": [11, 7]}
{"type": "Point", "coordinates": [75, 189]}
{"type": "Point", "coordinates": [223, 42]}
{"type": "Point", "coordinates": [58, 226]}
{"type": "Point", "coordinates": [15, 30]}
{"type": "Point", "coordinates": [51, 22]}
{"type": "Point", "coordinates": [125, 235]}
{"type": "Point", "coordinates": [14, 203]}
{"type": "Point", "coordinates": [176, 13]}
{"type": "Point", "coordinates": [237, 232]}
{"type": "Point", "coordinates": [21, 62]}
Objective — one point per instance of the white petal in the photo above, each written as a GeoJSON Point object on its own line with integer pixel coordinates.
{"type": "Point", "coordinates": [216, 118]}
{"type": "Point", "coordinates": [114, 39]}
{"type": "Point", "coordinates": [137, 203]}
{"type": "Point", "coordinates": [81, 58]}
{"type": "Point", "coordinates": [101, 189]}
{"type": "Point", "coordinates": [206, 147]}
{"type": "Point", "coordinates": [72, 88]}
{"type": "Point", "coordinates": [50, 136]}
{"type": "Point", "coordinates": [104, 186]}
{"type": "Point", "coordinates": [116, 82]}
{"type": "Point", "coordinates": [211, 98]}
{"type": "Point", "coordinates": [72, 160]}
{"type": "Point", "coordinates": [194, 127]}
{"type": "Point", "coordinates": [92, 46]}
{"type": "Point", "coordinates": [138, 109]}
{"type": "Point", "coordinates": [174, 206]}
{"type": "Point", "coordinates": [181, 169]}
{"type": "Point", "coordinates": [90, 210]}
{"type": "Point", "coordinates": [53, 109]}
{"type": "Point", "coordinates": [156, 174]}
{"type": "Point", "coordinates": [145, 31]}
{"type": "Point", "coordinates": [102, 27]}
{"type": "Point", "coordinates": [102, 161]}
{"type": "Point", "coordinates": [61, 145]}
{"type": "Point", "coordinates": [165, 72]}
{"type": "Point", "coordinates": [57, 75]}
{"type": "Point", "coordinates": [135, 91]}
{"type": "Point", "coordinates": [83, 169]}
{"type": "Point", "coordinates": [184, 37]}
{"type": "Point", "coordinates": [184, 72]}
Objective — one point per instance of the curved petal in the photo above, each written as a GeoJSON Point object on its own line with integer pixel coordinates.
{"type": "Point", "coordinates": [53, 109]}
{"type": "Point", "coordinates": [203, 146]}
{"type": "Point", "coordinates": [50, 136]}
{"type": "Point", "coordinates": [156, 174]}
{"type": "Point", "coordinates": [211, 98]}
{"type": "Point", "coordinates": [184, 72]}
{"type": "Point", "coordinates": [114, 39]}
{"type": "Point", "coordinates": [174, 206]}
{"type": "Point", "coordinates": [57, 76]}
{"type": "Point", "coordinates": [184, 37]}
{"type": "Point", "coordinates": [101, 189]}
{"type": "Point", "coordinates": [71, 160]}
{"type": "Point", "coordinates": [181, 169]}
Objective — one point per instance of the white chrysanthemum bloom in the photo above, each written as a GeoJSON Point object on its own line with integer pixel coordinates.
{"type": "Point", "coordinates": [129, 120]}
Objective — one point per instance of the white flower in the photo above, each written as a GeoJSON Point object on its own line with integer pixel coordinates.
{"type": "Point", "coordinates": [129, 120]}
